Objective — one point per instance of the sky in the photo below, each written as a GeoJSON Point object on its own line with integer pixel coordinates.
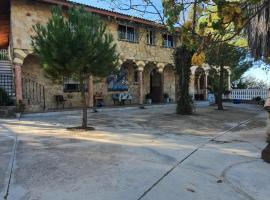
{"type": "Point", "coordinates": [114, 5]}
{"type": "Point", "coordinates": [255, 71]}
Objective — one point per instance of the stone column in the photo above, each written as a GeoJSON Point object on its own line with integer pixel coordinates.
{"type": "Point", "coordinates": [229, 82]}
{"type": "Point", "coordinates": [90, 92]}
{"type": "Point", "coordinates": [160, 70]}
{"type": "Point", "coordinates": [192, 84]}
{"type": "Point", "coordinates": [18, 81]}
{"type": "Point", "coordinates": [206, 86]}
{"type": "Point", "coordinates": [198, 85]}
{"type": "Point", "coordinates": [140, 80]}
{"type": "Point", "coordinates": [140, 67]}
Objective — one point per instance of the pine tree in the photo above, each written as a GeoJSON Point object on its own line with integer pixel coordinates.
{"type": "Point", "coordinates": [75, 44]}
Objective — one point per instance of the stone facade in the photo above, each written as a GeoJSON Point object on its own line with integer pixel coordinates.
{"type": "Point", "coordinates": [26, 13]}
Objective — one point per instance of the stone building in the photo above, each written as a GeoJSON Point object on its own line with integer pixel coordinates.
{"type": "Point", "coordinates": [146, 58]}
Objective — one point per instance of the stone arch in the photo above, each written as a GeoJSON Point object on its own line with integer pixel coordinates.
{"type": "Point", "coordinates": [34, 76]}
{"type": "Point", "coordinates": [129, 67]}
{"type": "Point", "coordinates": [31, 68]}
{"type": "Point", "coordinates": [169, 81]}
{"type": "Point", "coordinates": [200, 83]}
{"type": "Point", "coordinates": [153, 81]}
{"type": "Point", "coordinates": [37, 89]}
{"type": "Point", "coordinates": [149, 67]}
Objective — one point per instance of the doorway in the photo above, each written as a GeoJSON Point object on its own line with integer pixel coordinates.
{"type": "Point", "coordinates": [155, 86]}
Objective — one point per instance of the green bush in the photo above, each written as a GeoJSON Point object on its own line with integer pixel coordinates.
{"type": "Point", "coordinates": [147, 96]}
{"type": "Point", "coordinates": [165, 95]}
{"type": "Point", "coordinates": [3, 56]}
{"type": "Point", "coordinates": [258, 98]}
{"type": "Point", "coordinates": [5, 100]}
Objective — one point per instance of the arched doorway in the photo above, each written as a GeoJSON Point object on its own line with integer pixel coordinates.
{"type": "Point", "coordinates": [155, 86]}
{"type": "Point", "coordinates": [200, 85]}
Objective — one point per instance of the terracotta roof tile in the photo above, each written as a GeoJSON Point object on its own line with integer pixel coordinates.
{"type": "Point", "coordinates": [104, 12]}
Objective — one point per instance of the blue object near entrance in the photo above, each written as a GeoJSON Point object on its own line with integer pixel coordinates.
{"type": "Point", "coordinates": [118, 82]}
{"type": "Point", "coordinates": [236, 101]}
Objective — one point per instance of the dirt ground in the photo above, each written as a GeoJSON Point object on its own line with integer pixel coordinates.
{"type": "Point", "coordinates": [136, 154]}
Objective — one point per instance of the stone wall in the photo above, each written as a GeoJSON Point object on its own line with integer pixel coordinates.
{"type": "Point", "coordinates": [26, 13]}
{"type": "Point", "coordinates": [31, 70]}
{"type": "Point", "coordinates": [7, 111]}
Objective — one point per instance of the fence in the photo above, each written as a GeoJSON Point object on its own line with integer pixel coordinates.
{"type": "Point", "coordinates": [6, 83]}
{"type": "Point", "coordinates": [33, 92]}
{"type": "Point", "coordinates": [248, 94]}
{"type": "Point", "coordinates": [7, 93]}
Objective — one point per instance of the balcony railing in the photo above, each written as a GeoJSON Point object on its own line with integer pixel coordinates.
{"type": "Point", "coordinates": [4, 54]}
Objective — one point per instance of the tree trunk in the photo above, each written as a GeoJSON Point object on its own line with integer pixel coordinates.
{"type": "Point", "coordinates": [220, 88]}
{"type": "Point", "coordinates": [182, 59]}
{"type": "Point", "coordinates": [194, 20]}
{"type": "Point", "coordinates": [84, 117]}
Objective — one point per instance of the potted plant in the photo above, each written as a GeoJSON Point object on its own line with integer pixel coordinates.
{"type": "Point", "coordinates": [148, 98]}
{"type": "Point", "coordinates": [166, 98]}
{"type": "Point", "coordinates": [20, 107]}
{"type": "Point", "coordinates": [258, 100]}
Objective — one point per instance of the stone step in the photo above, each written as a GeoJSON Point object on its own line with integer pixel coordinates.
{"type": "Point", "coordinates": [6, 68]}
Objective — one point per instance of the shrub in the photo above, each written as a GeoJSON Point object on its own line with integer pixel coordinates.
{"type": "Point", "coordinates": [3, 55]}
{"type": "Point", "coordinates": [5, 99]}
{"type": "Point", "coordinates": [258, 98]}
{"type": "Point", "coordinates": [147, 96]}
{"type": "Point", "coordinates": [226, 92]}
{"type": "Point", "coordinates": [20, 107]}
{"type": "Point", "coordinates": [165, 95]}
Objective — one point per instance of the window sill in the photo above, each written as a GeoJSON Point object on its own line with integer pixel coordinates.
{"type": "Point", "coordinates": [167, 47]}
{"type": "Point", "coordinates": [151, 45]}
{"type": "Point", "coordinates": [124, 40]}
{"type": "Point", "coordinates": [73, 91]}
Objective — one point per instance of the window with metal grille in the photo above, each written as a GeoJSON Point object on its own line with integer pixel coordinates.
{"type": "Point", "coordinates": [127, 33]}
{"type": "Point", "coordinates": [71, 85]}
{"type": "Point", "coordinates": [168, 41]}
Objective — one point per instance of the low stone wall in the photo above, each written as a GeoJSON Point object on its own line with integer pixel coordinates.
{"type": "Point", "coordinates": [7, 111]}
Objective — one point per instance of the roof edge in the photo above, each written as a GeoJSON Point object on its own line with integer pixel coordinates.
{"type": "Point", "coordinates": [104, 12]}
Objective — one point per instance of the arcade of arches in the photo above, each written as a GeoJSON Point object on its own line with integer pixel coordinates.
{"type": "Point", "coordinates": [202, 80]}
{"type": "Point", "coordinates": [140, 79]}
